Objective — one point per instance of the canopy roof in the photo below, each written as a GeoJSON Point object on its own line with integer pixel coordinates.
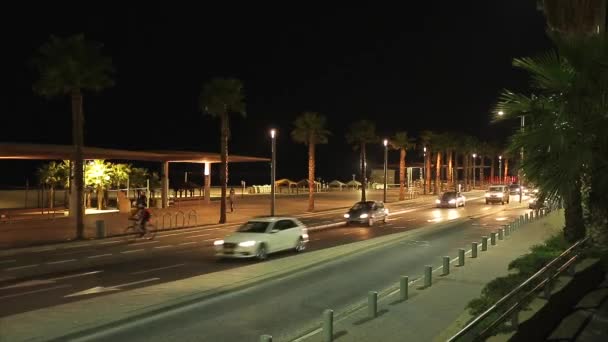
{"type": "Point", "coordinates": [64, 152]}
{"type": "Point", "coordinates": [336, 182]}
{"type": "Point", "coordinates": [354, 182]}
{"type": "Point", "coordinates": [285, 181]}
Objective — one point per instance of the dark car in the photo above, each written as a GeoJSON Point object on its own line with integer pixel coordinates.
{"type": "Point", "coordinates": [366, 212]}
{"type": "Point", "coordinates": [514, 189]}
{"type": "Point", "coordinates": [450, 199]}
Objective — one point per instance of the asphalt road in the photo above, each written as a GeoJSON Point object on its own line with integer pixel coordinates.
{"type": "Point", "coordinates": [76, 272]}
{"type": "Point", "coordinates": [293, 304]}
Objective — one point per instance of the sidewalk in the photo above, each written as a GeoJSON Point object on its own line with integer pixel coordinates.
{"type": "Point", "coordinates": [47, 231]}
{"type": "Point", "coordinates": [436, 313]}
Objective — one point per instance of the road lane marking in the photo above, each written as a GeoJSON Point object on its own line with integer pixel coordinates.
{"type": "Point", "coordinates": [144, 243]}
{"type": "Point", "coordinates": [193, 236]}
{"type": "Point", "coordinates": [71, 253]}
{"type": "Point", "coordinates": [76, 275]}
{"type": "Point", "coordinates": [101, 289]}
{"type": "Point", "coordinates": [20, 267]}
{"type": "Point", "coordinates": [187, 243]}
{"type": "Point", "coordinates": [209, 240]}
{"type": "Point", "coordinates": [60, 261]}
{"type": "Point", "coordinates": [167, 246]}
{"type": "Point", "coordinates": [7, 261]}
{"type": "Point", "coordinates": [77, 246]}
{"type": "Point", "coordinates": [132, 251]}
{"type": "Point", "coordinates": [35, 291]}
{"type": "Point", "coordinates": [108, 242]}
{"type": "Point", "coordinates": [99, 256]}
{"type": "Point", "coordinates": [157, 269]}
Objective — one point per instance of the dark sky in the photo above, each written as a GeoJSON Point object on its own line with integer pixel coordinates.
{"type": "Point", "coordinates": [438, 65]}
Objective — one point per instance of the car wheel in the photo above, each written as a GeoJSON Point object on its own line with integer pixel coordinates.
{"type": "Point", "coordinates": [384, 219]}
{"type": "Point", "coordinates": [262, 252]}
{"type": "Point", "coordinates": [370, 222]}
{"type": "Point", "coordinates": [487, 202]}
{"type": "Point", "coordinates": [300, 245]}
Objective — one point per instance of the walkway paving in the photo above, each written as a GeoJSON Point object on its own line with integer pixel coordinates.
{"type": "Point", "coordinates": [438, 312]}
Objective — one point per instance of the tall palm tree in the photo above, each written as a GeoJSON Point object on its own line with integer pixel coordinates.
{"type": "Point", "coordinates": [219, 98]}
{"type": "Point", "coordinates": [469, 146]}
{"type": "Point", "coordinates": [439, 145]}
{"type": "Point", "coordinates": [492, 151]}
{"type": "Point", "coordinates": [53, 174]}
{"type": "Point", "coordinates": [310, 130]}
{"type": "Point", "coordinates": [426, 141]}
{"type": "Point", "coordinates": [402, 142]}
{"type": "Point", "coordinates": [360, 134]}
{"type": "Point", "coordinates": [451, 144]}
{"type": "Point", "coordinates": [69, 66]}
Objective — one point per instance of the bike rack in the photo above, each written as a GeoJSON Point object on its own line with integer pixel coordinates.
{"type": "Point", "coordinates": [165, 215]}
{"type": "Point", "coordinates": [192, 213]}
{"type": "Point", "coordinates": [180, 213]}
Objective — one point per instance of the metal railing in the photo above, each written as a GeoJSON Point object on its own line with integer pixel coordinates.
{"type": "Point", "coordinates": [543, 279]}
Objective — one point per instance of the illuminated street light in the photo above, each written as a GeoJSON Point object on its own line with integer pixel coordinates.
{"type": "Point", "coordinates": [500, 169]}
{"type": "Point", "coordinates": [501, 113]}
{"type": "Point", "coordinates": [385, 166]}
{"type": "Point", "coordinates": [273, 167]}
{"type": "Point", "coordinates": [474, 157]}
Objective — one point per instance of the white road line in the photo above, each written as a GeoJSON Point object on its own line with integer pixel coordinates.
{"type": "Point", "coordinates": [157, 269]}
{"type": "Point", "coordinates": [132, 251]}
{"type": "Point", "coordinates": [209, 240]}
{"type": "Point", "coordinates": [45, 250]}
{"type": "Point", "coordinates": [166, 246]}
{"type": "Point", "coordinates": [7, 261]}
{"type": "Point", "coordinates": [173, 234]}
{"type": "Point", "coordinates": [99, 256]}
{"type": "Point", "coordinates": [187, 243]}
{"type": "Point", "coordinates": [20, 267]}
{"type": "Point", "coordinates": [193, 236]}
{"type": "Point", "coordinates": [136, 282]}
{"type": "Point", "coordinates": [144, 243]}
{"type": "Point", "coordinates": [35, 291]}
{"type": "Point", "coordinates": [77, 246]}
{"type": "Point", "coordinates": [60, 261]}
{"type": "Point", "coordinates": [108, 242]}
{"type": "Point", "coordinates": [76, 275]}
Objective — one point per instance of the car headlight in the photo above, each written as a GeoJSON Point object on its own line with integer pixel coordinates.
{"type": "Point", "coordinates": [452, 201]}
{"type": "Point", "coordinates": [487, 195]}
{"type": "Point", "coordinates": [218, 242]}
{"type": "Point", "coordinates": [247, 244]}
{"type": "Point", "coordinates": [437, 201]}
{"type": "Point", "coordinates": [346, 215]}
{"type": "Point", "coordinates": [499, 195]}
{"type": "Point", "coordinates": [363, 216]}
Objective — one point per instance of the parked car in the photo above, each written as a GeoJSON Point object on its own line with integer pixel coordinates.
{"type": "Point", "coordinates": [497, 194]}
{"type": "Point", "coordinates": [450, 199]}
{"type": "Point", "coordinates": [262, 236]}
{"type": "Point", "coordinates": [367, 212]}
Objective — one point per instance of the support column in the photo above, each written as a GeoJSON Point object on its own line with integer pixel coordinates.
{"type": "Point", "coordinates": [165, 185]}
{"type": "Point", "coordinates": [207, 173]}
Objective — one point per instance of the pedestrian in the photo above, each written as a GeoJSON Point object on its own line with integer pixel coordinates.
{"type": "Point", "coordinates": [231, 198]}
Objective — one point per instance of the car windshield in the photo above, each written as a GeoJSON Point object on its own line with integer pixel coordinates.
{"type": "Point", "coordinates": [362, 205]}
{"type": "Point", "coordinates": [449, 195]}
{"type": "Point", "coordinates": [495, 188]}
{"type": "Point", "coordinates": [254, 227]}
{"type": "Point", "coordinates": [514, 186]}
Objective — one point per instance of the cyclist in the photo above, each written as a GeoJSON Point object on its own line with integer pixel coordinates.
{"type": "Point", "coordinates": [141, 216]}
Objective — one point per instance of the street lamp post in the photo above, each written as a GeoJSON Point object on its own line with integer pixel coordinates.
{"type": "Point", "coordinates": [521, 150]}
{"type": "Point", "coordinates": [273, 168]}
{"type": "Point", "coordinates": [474, 157]}
{"type": "Point", "coordinates": [424, 172]}
{"type": "Point", "coordinates": [385, 166]}
{"type": "Point", "coordinates": [500, 169]}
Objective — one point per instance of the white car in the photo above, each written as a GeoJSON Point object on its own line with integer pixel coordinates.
{"type": "Point", "coordinates": [262, 236]}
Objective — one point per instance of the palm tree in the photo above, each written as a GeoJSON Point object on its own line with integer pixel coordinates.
{"type": "Point", "coordinates": [359, 134]}
{"type": "Point", "coordinates": [69, 66]}
{"type": "Point", "coordinates": [439, 145]}
{"type": "Point", "coordinates": [53, 174]}
{"type": "Point", "coordinates": [98, 175]}
{"type": "Point", "coordinates": [451, 144]}
{"type": "Point", "coordinates": [468, 147]}
{"type": "Point", "coordinates": [492, 152]}
{"type": "Point", "coordinates": [310, 130]}
{"type": "Point", "coordinates": [402, 143]}
{"type": "Point", "coordinates": [219, 98]}
{"type": "Point", "coordinates": [426, 141]}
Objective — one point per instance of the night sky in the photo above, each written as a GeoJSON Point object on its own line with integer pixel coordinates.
{"type": "Point", "coordinates": [437, 66]}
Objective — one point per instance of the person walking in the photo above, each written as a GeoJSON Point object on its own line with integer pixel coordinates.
{"type": "Point", "coordinates": [231, 199]}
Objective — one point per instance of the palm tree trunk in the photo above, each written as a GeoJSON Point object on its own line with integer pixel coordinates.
{"type": "Point", "coordinates": [573, 214]}
{"type": "Point", "coordinates": [427, 162]}
{"type": "Point", "coordinates": [438, 173]}
{"type": "Point", "coordinates": [51, 197]}
{"type": "Point", "coordinates": [224, 166]}
{"type": "Point", "coordinates": [311, 174]}
{"type": "Point", "coordinates": [77, 202]}
{"type": "Point", "coordinates": [492, 170]}
{"type": "Point", "coordinates": [363, 173]}
{"type": "Point", "coordinates": [481, 168]}
{"type": "Point", "coordinates": [450, 175]}
{"type": "Point", "coordinates": [506, 171]}
{"type": "Point", "coordinates": [402, 175]}
{"type": "Point", "coordinates": [455, 176]}
{"type": "Point", "coordinates": [465, 163]}
{"type": "Point", "coordinates": [99, 198]}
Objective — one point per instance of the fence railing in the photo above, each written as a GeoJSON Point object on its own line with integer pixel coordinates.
{"type": "Point", "coordinates": [509, 306]}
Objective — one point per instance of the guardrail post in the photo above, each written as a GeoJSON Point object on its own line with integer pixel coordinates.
{"type": "Point", "coordinates": [527, 218]}
{"type": "Point", "coordinates": [461, 257]}
{"type": "Point", "coordinates": [372, 304]}
{"type": "Point", "coordinates": [507, 230]}
{"type": "Point", "coordinates": [428, 276]}
{"type": "Point", "coordinates": [521, 220]}
{"type": "Point", "coordinates": [501, 233]}
{"type": "Point", "coordinates": [404, 284]}
{"type": "Point", "coordinates": [328, 325]}
{"type": "Point", "coordinates": [446, 265]}
{"type": "Point", "coordinates": [474, 250]}
{"type": "Point", "coordinates": [493, 238]}
{"type": "Point", "coordinates": [484, 243]}
{"type": "Point", "coordinates": [266, 338]}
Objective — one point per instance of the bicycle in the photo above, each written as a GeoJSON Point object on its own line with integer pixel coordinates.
{"type": "Point", "coordinates": [134, 229]}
